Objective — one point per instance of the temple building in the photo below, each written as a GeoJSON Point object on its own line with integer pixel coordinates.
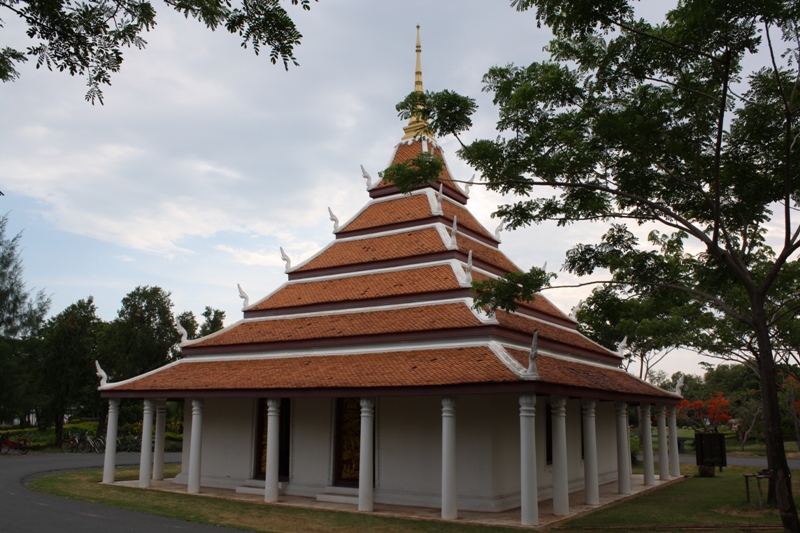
{"type": "Point", "coordinates": [370, 377]}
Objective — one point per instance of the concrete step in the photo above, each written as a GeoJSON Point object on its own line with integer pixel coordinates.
{"type": "Point", "coordinates": [339, 495]}
{"type": "Point", "coordinates": [256, 486]}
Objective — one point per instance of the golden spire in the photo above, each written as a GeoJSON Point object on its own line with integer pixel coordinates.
{"type": "Point", "coordinates": [415, 126]}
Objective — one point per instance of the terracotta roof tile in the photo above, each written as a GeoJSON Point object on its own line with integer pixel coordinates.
{"type": "Point", "coordinates": [372, 322]}
{"type": "Point", "coordinates": [576, 374]}
{"type": "Point", "coordinates": [548, 331]}
{"type": "Point", "coordinates": [395, 369]}
{"type": "Point", "coordinates": [400, 282]}
{"type": "Point", "coordinates": [487, 254]}
{"type": "Point", "coordinates": [431, 367]}
{"type": "Point", "coordinates": [465, 218]}
{"type": "Point", "coordinates": [410, 151]}
{"type": "Point", "coordinates": [410, 208]}
{"type": "Point", "coordinates": [398, 245]}
{"type": "Point", "coordinates": [402, 209]}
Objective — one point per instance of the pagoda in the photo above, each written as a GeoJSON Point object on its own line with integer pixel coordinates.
{"type": "Point", "coordinates": [371, 376]}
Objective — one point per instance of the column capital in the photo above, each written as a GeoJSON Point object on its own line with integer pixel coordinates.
{"type": "Point", "coordinates": [367, 403]}
{"type": "Point", "coordinates": [449, 401]}
{"type": "Point", "coordinates": [273, 404]}
{"type": "Point", "coordinates": [197, 407]}
{"type": "Point", "coordinates": [645, 410]}
{"type": "Point", "coordinates": [161, 405]}
{"type": "Point", "coordinates": [621, 408]}
{"type": "Point", "coordinates": [527, 400]}
{"type": "Point", "coordinates": [148, 406]}
{"type": "Point", "coordinates": [113, 405]}
{"type": "Point", "coordinates": [588, 406]}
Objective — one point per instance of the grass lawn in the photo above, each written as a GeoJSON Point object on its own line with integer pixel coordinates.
{"type": "Point", "coordinates": [717, 502]}
{"type": "Point", "coordinates": [695, 503]}
{"type": "Point", "coordinates": [84, 485]}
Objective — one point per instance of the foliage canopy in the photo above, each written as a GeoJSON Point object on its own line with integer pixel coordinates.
{"type": "Point", "coordinates": [658, 124]}
{"type": "Point", "coordinates": [87, 38]}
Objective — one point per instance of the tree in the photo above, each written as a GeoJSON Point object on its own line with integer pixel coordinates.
{"type": "Point", "coordinates": [658, 124]}
{"type": "Point", "coordinates": [22, 315]}
{"type": "Point", "coordinates": [69, 349]}
{"type": "Point", "coordinates": [651, 327]}
{"type": "Point", "coordinates": [143, 337]}
{"type": "Point", "coordinates": [87, 38]}
{"type": "Point", "coordinates": [21, 312]}
{"type": "Point", "coordinates": [189, 323]}
{"type": "Point", "coordinates": [214, 321]}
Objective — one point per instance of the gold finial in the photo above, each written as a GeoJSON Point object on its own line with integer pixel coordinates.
{"type": "Point", "coordinates": [415, 126]}
{"type": "Point", "coordinates": [418, 73]}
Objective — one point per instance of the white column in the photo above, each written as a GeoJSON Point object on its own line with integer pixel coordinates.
{"type": "Point", "coordinates": [158, 455]}
{"type": "Point", "coordinates": [591, 484]}
{"type": "Point", "coordinates": [560, 479]}
{"type": "Point", "coordinates": [674, 457]}
{"type": "Point", "coordinates": [146, 460]}
{"type": "Point", "coordinates": [647, 444]}
{"type": "Point", "coordinates": [366, 456]}
{"type": "Point", "coordinates": [110, 460]}
{"type": "Point", "coordinates": [529, 489]}
{"type": "Point", "coordinates": [195, 447]}
{"type": "Point", "coordinates": [449, 494]}
{"type": "Point", "coordinates": [623, 449]}
{"type": "Point", "coordinates": [663, 457]}
{"type": "Point", "coordinates": [273, 450]}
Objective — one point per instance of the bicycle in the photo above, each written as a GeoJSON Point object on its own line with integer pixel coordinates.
{"type": "Point", "coordinates": [69, 444]}
{"type": "Point", "coordinates": [20, 445]}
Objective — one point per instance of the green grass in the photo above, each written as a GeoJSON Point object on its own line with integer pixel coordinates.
{"type": "Point", "coordinates": [717, 502]}
{"type": "Point", "coordinates": [697, 502]}
{"type": "Point", "coordinates": [84, 485]}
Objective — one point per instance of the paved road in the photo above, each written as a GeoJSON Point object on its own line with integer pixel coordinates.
{"type": "Point", "coordinates": [24, 511]}
{"type": "Point", "coordinates": [794, 464]}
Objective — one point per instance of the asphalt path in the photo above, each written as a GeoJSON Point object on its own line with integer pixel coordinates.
{"type": "Point", "coordinates": [23, 510]}
{"type": "Point", "coordinates": [794, 464]}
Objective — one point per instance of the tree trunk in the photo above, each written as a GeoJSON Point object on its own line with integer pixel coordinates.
{"type": "Point", "coordinates": [780, 487]}
{"type": "Point", "coordinates": [102, 419]}
{"type": "Point", "coordinates": [58, 423]}
{"type": "Point", "coordinates": [795, 416]}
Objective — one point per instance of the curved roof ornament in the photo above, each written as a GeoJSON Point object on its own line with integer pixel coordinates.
{"type": "Point", "coordinates": [182, 331]}
{"type": "Point", "coordinates": [499, 229]}
{"type": "Point", "coordinates": [367, 177]}
{"type": "Point", "coordinates": [334, 219]}
{"type": "Point", "coordinates": [286, 259]}
{"type": "Point", "coordinates": [573, 313]}
{"type": "Point", "coordinates": [243, 295]}
{"type": "Point", "coordinates": [469, 184]}
{"type": "Point", "coordinates": [453, 244]}
{"type": "Point", "coordinates": [623, 344]}
{"type": "Point", "coordinates": [469, 267]}
{"type": "Point", "coordinates": [531, 373]}
{"type": "Point", "coordinates": [101, 374]}
{"type": "Point", "coordinates": [438, 210]}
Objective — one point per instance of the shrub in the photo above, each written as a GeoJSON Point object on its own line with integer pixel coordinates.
{"type": "Point", "coordinates": [636, 449]}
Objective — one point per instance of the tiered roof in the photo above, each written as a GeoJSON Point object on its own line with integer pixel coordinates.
{"type": "Point", "coordinates": [387, 308]}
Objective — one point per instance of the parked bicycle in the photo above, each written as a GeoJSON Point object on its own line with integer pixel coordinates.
{"type": "Point", "coordinates": [7, 443]}
{"type": "Point", "coordinates": [69, 443]}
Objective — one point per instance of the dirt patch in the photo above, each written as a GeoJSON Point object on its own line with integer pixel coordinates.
{"type": "Point", "coordinates": [743, 454]}
{"type": "Point", "coordinates": [746, 511]}
{"type": "Point", "coordinates": [793, 455]}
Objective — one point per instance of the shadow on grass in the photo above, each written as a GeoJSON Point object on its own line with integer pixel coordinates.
{"type": "Point", "coordinates": [710, 504]}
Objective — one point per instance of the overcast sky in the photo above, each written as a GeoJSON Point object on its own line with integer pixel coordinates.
{"type": "Point", "coordinates": [206, 158]}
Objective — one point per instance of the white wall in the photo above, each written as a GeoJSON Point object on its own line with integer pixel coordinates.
{"type": "Point", "coordinates": [228, 441]}
{"type": "Point", "coordinates": [311, 456]}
